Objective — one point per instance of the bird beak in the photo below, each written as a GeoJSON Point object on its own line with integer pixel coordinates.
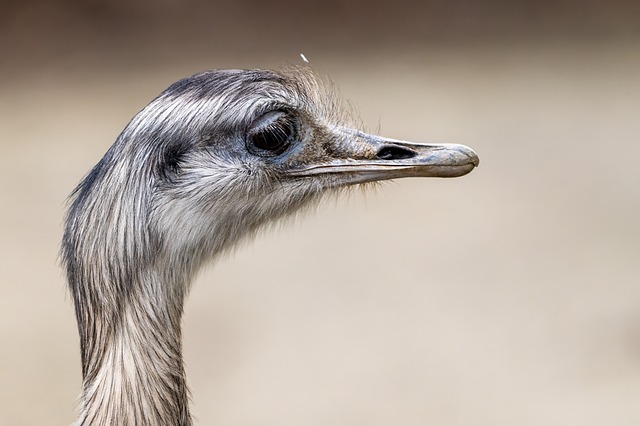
{"type": "Point", "coordinates": [359, 157]}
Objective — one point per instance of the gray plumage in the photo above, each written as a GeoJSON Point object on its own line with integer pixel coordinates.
{"type": "Point", "coordinates": [204, 165]}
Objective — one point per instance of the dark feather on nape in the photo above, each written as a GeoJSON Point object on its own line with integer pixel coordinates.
{"type": "Point", "coordinates": [85, 187]}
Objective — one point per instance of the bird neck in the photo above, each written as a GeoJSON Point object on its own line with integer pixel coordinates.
{"type": "Point", "coordinates": [133, 372]}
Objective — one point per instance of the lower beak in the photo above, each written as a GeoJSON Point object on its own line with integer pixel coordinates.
{"type": "Point", "coordinates": [367, 158]}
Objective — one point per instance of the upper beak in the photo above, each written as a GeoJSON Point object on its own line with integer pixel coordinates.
{"type": "Point", "coordinates": [361, 157]}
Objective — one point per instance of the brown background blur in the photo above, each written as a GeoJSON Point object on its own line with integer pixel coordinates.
{"type": "Point", "coordinates": [508, 297]}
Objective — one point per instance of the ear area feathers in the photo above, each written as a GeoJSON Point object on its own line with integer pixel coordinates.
{"type": "Point", "coordinates": [171, 162]}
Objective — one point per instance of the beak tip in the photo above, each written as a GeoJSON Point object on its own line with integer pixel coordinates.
{"type": "Point", "coordinates": [469, 154]}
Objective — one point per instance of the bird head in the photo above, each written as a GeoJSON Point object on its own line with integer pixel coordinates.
{"type": "Point", "coordinates": [221, 153]}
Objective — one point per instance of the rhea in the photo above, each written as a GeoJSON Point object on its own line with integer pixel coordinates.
{"type": "Point", "coordinates": [204, 165]}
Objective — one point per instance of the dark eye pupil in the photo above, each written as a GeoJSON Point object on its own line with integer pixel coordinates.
{"type": "Point", "coordinates": [274, 136]}
{"type": "Point", "coordinates": [269, 139]}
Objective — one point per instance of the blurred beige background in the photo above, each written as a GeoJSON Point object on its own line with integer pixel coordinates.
{"type": "Point", "coordinates": [508, 297]}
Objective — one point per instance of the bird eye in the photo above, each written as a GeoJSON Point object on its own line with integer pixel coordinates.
{"type": "Point", "coordinates": [271, 133]}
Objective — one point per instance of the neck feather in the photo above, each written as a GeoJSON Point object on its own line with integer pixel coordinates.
{"type": "Point", "coordinates": [132, 358]}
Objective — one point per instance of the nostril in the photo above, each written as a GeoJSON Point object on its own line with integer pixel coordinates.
{"type": "Point", "coordinates": [393, 152]}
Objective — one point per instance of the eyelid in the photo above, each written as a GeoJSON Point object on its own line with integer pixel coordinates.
{"type": "Point", "coordinates": [267, 107]}
{"type": "Point", "coordinates": [266, 119]}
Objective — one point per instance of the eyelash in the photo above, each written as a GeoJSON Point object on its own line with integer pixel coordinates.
{"type": "Point", "coordinates": [272, 138]}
